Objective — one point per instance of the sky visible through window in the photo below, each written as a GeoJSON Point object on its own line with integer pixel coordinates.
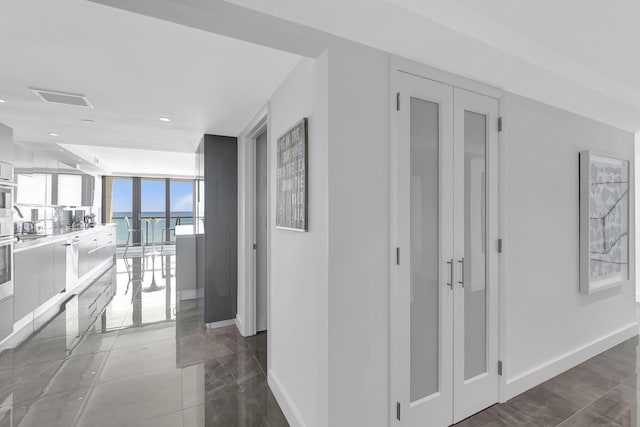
{"type": "Point", "coordinates": [153, 196]}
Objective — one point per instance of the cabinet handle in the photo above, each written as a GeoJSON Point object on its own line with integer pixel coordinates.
{"type": "Point", "coordinates": [450, 282]}
{"type": "Point", "coordinates": [461, 262]}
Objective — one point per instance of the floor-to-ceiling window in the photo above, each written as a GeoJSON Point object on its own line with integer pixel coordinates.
{"type": "Point", "coordinates": [181, 205]}
{"type": "Point", "coordinates": [154, 205]}
{"type": "Point", "coordinates": [119, 205]}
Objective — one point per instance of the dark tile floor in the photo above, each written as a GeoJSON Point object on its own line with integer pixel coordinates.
{"type": "Point", "coordinates": [603, 391]}
{"type": "Point", "coordinates": [126, 352]}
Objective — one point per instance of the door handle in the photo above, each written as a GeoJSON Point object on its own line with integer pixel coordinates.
{"type": "Point", "coordinates": [450, 282]}
{"type": "Point", "coordinates": [461, 262]}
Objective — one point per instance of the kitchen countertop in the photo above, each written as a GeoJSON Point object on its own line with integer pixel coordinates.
{"type": "Point", "coordinates": [55, 236]}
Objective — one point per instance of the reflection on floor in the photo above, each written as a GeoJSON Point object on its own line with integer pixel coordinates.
{"type": "Point", "coordinates": [603, 391]}
{"type": "Point", "coordinates": [126, 353]}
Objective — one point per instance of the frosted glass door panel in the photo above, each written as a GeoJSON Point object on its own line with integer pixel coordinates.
{"type": "Point", "coordinates": [475, 243]}
{"type": "Point", "coordinates": [424, 194]}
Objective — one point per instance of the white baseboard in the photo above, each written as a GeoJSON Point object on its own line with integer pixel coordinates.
{"type": "Point", "coordinates": [523, 382]}
{"type": "Point", "coordinates": [289, 410]}
{"type": "Point", "coordinates": [221, 324]}
{"type": "Point", "coordinates": [240, 325]}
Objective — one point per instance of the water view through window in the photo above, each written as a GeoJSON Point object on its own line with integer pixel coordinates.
{"type": "Point", "coordinates": [157, 224]}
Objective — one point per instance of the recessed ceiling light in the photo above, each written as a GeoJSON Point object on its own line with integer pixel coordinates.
{"type": "Point", "coordinates": [88, 121]}
{"type": "Point", "coordinates": [165, 119]}
{"type": "Point", "coordinates": [2, 101]}
{"type": "Point", "coordinates": [53, 134]}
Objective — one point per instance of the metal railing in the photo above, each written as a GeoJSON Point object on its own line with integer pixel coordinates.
{"type": "Point", "coordinates": [160, 234]}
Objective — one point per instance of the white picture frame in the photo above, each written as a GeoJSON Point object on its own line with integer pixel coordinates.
{"type": "Point", "coordinates": [605, 190]}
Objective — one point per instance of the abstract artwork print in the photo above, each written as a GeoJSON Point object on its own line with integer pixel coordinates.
{"type": "Point", "coordinates": [607, 182]}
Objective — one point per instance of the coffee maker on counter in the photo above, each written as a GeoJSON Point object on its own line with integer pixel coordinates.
{"type": "Point", "coordinates": [90, 220]}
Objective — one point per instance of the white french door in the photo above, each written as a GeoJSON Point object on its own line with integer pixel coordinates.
{"type": "Point", "coordinates": [444, 293]}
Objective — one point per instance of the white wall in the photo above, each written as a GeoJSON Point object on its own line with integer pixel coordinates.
{"type": "Point", "coordinates": [548, 325]}
{"type": "Point", "coordinates": [358, 236]}
{"type": "Point", "coordinates": [329, 312]}
{"type": "Point", "coordinates": [637, 194]}
{"type": "Point", "coordinates": [298, 324]}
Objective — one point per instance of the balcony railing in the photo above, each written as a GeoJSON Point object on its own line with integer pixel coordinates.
{"type": "Point", "coordinates": [160, 233]}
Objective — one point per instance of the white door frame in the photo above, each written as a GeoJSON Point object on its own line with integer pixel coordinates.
{"type": "Point", "coordinates": [396, 65]}
{"type": "Point", "coordinates": [246, 317]}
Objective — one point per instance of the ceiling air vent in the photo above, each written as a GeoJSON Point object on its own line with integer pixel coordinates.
{"type": "Point", "coordinates": [55, 97]}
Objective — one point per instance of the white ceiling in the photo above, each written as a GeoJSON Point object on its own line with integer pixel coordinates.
{"type": "Point", "coordinates": [139, 162]}
{"type": "Point", "coordinates": [580, 55]}
{"type": "Point", "coordinates": [134, 69]}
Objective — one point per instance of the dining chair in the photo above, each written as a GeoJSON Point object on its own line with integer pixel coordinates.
{"type": "Point", "coordinates": [130, 232]}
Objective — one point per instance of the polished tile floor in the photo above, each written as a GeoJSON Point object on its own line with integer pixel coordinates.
{"type": "Point", "coordinates": [126, 352]}
{"type": "Point", "coordinates": [603, 391]}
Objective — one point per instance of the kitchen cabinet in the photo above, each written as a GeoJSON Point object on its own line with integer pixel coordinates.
{"type": "Point", "coordinates": [33, 188]}
{"type": "Point", "coordinates": [26, 289]}
{"type": "Point", "coordinates": [106, 243]}
{"type": "Point", "coordinates": [60, 260]}
{"type": "Point", "coordinates": [70, 190]}
{"type": "Point", "coordinates": [86, 250]}
{"type": "Point", "coordinates": [45, 262]}
{"type": "Point", "coordinates": [6, 318]}
{"type": "Point", "coordinates": [40, 272]}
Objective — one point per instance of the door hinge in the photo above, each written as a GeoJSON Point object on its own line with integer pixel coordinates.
{"type": "Point", "coordinates": [398, 411]}
{"type": "Point", "coordinates": [500, 124]}
{"type": "Point", "coordinates": [500, 367]}
{"type": "Point", "coordinates": [398, 256]}
{"type": "Point", "coordinates": [500, 247]}
{"type": "Point", "coordinates": [255, 246]}
{"type": "Point", "coordinates": [398, 101]}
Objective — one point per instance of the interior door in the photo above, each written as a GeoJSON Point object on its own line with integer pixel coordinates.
{"type": "Point", "coordinates": [422, 282]}
{"type": "Point", "coordinates": [475, 232]}
{"type": "Point", "coordinates": [261, 232]}
{"type": "Point", "coordinates": [444, 285]}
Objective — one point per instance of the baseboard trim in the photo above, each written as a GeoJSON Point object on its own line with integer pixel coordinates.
{"type": "Point", "coordinates": [221, 324]}
{"type": "Point", "coordinates": [523, 382]}
{"type": "Point", "coordinates": [240, 325]}
{"type": "Point", "coordinates": [289, 410]}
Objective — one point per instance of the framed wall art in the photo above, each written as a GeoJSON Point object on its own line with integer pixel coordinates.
{"type": "Point", "coordinates": [291, 179]}
{"type": "Point", "coordinates": [604, 221]}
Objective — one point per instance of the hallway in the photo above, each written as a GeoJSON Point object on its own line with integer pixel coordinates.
{"type": "Point", "coordinates": [603, 391]}
{"type": "Point", "coordinates": [125, 353]}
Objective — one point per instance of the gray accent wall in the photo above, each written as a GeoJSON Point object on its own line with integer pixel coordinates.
{"type": "Point", "coordinates": [220, 269]}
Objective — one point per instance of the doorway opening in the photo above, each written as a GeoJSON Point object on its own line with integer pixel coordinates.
{"type": "Point", "coordinates": [260, 230]}
{"type": "Point", "coordinates": [254, 227]}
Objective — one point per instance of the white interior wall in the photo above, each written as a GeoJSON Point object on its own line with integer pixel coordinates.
{"type": "Point", "coordinates": [637, 194]}
{"type": "Point", "coordinates": [358, 236]}
{"type": "Point", "coordinates": [329, 318]}
{"type": "Point", "coordinates": [548, 326]}
{"type": "Point", "coordinates": [298, 325]}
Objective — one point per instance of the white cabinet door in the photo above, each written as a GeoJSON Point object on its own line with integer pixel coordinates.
{"type": "Point", "coordinates": [69, 190]}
